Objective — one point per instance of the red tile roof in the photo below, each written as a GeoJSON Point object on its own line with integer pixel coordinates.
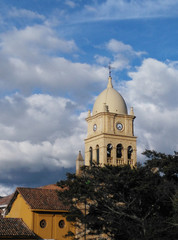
{"type": "Point", "coordinates": [51, 186]}
{"type": "Point", "coordinates": [1, 212]}
{"type": "Point", "coordinates": [40, 199]}
{"type": "Point", "coordinates": [11, 228]}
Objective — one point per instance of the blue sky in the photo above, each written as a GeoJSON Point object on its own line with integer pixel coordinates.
{"type": "Point", "coordinates": [53, 63]}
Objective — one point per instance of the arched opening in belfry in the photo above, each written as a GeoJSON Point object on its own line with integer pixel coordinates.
{"type": "Point", "coordinates": [119, 150]}
{"type": "Point", "coordinates": [97, 155]}
{"type": "Point", "coordinates": [109, 150]}
{"type": "Point", "coordinates": [91, 155]}
{"type": "Point", "coordinates": [129, 152]}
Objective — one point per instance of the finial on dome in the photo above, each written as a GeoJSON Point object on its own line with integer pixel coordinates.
{"type": "Point", "coordinates": [131, 111]}
{"type": "Point", "coordinates": [110, 78]}
{"type": "Point", "coordinates": [89, 113]}
{"type": "Point", "coordinates": [105, 108]}
{"type": "Point", "coordinates": [109, 67]}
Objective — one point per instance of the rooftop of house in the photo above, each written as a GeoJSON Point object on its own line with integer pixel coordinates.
{"type": "Point", "coordinates": [40, 198]}
{"type": "Point", "coordinates": [51, 186]}
{"type": "Point", "coordinates": [11, 228]}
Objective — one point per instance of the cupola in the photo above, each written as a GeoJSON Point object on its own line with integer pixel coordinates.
{"type": "Point", "coordinates": [110, 100]}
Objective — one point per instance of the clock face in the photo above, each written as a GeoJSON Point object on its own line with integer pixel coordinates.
{"type": "Point", "coordinates": [94, 127]}
{"type": "Point", "coordinates": [119, 126]}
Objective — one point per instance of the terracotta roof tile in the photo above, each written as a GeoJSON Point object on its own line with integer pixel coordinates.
{"type": "Point", "coordinates": [15, 227]}
{"type": "Point", "coordinates": [1, 212]}
{"type": "Point", "coordinates": [43, 199]}
{"type": "Point", "coordinates": [51, 186]}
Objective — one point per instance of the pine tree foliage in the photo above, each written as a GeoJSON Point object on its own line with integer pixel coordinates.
{"type": "Point", "coordinates": [119, 202]}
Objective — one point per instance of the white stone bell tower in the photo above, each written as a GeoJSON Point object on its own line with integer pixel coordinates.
{"type": "Point", "coordinates": [110, 138]}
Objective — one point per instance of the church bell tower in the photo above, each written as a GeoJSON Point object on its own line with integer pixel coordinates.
{"type": "Point", "coordinates": [110, 138]}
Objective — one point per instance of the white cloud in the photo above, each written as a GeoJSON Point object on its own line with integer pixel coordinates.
{"type": "Point", "coordinates": [6, 190]}
{"type": "Point", "coordinates": [28, 53]}
{"type": "Point", "coordinates": [24, 13]}
{"type": "Point", "coordinates": [45, 115]}
{"type": "Point", "coordinates": [116, 46]}
{"type": "Point", "coordinates": [156, 83]}
{"type": "Point", "coordinates": [90, 9]}
{"type": "Point", "coordinates": [103, 60]}
{"type": "Point", "coordinates": [38, 133]}
{"type": "Point", "coordinates": [34, 40]}
{"type": "Point", "coordinates": [51, 74]}
{"type": "Point", "coordinates": [153, 94]}
{"type": "Point", "coordinates": [120, 62]}
{"type": "Point", "coordinates": [70, 3]}
{"type": "Point", "coordinates": [122, 54]}
{"type": "Point", "coordinates": [37, 157]}
{"type": "Point", "coordinates": [121, 9]}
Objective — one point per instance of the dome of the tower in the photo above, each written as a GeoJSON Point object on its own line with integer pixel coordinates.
{"type": "Point", "coordinates": [110, 100]}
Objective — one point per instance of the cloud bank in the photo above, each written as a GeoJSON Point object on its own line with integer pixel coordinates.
{"type": "Point", "coordinates": [121, 9]}
{"type": "Point", "coordinates": [37, 59]}
{"type": "Point", "coordinates": [39, 134]}
{"type": "Point", "coordinates": [152, 91]}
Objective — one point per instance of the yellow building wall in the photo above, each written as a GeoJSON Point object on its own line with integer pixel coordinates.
{"type": "Point", "coordinates": [20, 209]}
{"type": "Point", "coordinates": [52, 229]}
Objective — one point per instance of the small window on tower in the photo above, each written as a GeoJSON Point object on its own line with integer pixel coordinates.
{"type": "Point", "coordinates": [119, 151]}
{"type": "Point", "coordinates": [109, 149]}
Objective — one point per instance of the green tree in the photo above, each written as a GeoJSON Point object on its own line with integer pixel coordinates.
{"type": "Point", "coordinates": [125, 203]}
